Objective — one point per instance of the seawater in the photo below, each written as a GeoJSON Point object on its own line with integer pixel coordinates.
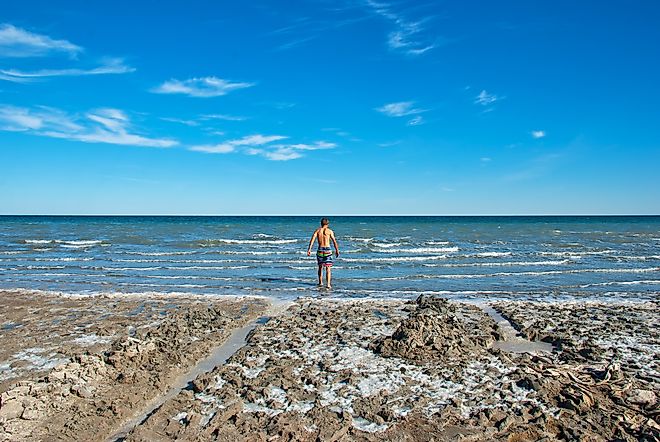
{"type": "Point", "coordinates": [544, 257]}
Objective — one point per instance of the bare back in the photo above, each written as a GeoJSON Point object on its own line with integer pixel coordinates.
{"type": "Point", "coordinates": [324, 235]}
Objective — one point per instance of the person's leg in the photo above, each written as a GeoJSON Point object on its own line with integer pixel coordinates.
{"type": "Point", "coordinates": [328, 276]}
{"type": "Point", "coordinates": [320, 274]}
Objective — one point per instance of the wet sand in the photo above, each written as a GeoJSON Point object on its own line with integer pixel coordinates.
{"type": "Point", "coordinates": [327, 370]}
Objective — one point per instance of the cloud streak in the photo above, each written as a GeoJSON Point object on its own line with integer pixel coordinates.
{"type": "Point", "coordinates": [264, 146]}
{"type": "Point", "coordinates": [203, 87]}
{"type": "Point", "coordinates": [407, 34]}
{"type": "Point", "coordinates": [110, 66]}
{"type": "Point", "coordinates": [400, 109]}
{"type": "Point", "coordinates": [538, 134]}
{"type": "Point", "coordinates": [107, 125]}
{"type": "Point", "coordinates": [485, 99]}
{"type": "Point", "coordinates": [18, 42]}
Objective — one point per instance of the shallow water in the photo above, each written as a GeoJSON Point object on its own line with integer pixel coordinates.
{"type": "Point", "coordinates": [381, 257]}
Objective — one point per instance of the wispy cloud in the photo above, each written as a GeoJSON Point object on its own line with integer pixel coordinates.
{"type": "Point", "coordinates": [224, 117]}
{"type": "Point", "coordinates": [407, 37]}
{"type": "Point", "coordinates": [486, 159]}
{"type": "Point", "coordinates": [111, 126]}
{"type": "Point", "coordinates": [263, 145]}
{"type": "Point", "coordinates": [18, 42]}
{"type": "Point", "coordinates": [109, 66]}
{"type": "Point", "coordinates": [286, 152]}
{"type": "Point", "coordinates": [400, 109]}
{"type": "Point", "coordinates": [538, 133]}
{"type": "Point", "coordinates": [485, 99]}
{"type": "Point", "coordinates": [294, 43]}
{"type": "Point", "coordinates": [390, 143]}
{"type": "Point", "coordinates": [416, 121]}
{"type": "Point", "coordinates": [203, 87]}
{"type": "Point", "coordinates": [232, 145]}
{"type": "Point", "coordinates": [191, 123]}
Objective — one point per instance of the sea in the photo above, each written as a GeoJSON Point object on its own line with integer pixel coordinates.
{"type": "Point", "coordinates": [465, 258]}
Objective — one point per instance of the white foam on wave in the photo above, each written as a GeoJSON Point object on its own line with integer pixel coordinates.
{"type": "Point", "coordinates": [213, 278]}
{"type": "Point", "coordinates": [207, 267]}
{"type": "Point", "coordinates": [159, 253]}
{"type": "Point", "coordinates": [492, 254]}
{"type": "Point", "coordinates": [437, 243]}
{"type": "Point", "coordinates": [541, 273]}
{"type": "Point", "coordinates": [131, 269]}
{"type": "Point", "coordinates": [395, 258]}
{"type": "Point", "coordinates": [577, 254]}
{"type": "Point", "coordinates": [502, 264]}
{"type": "Point", "coordinates": [65, 242]}
{"type": "Point", "coordinates": [352, 238]}
{"type": "Point", "coordinates": [247, 241]}
{"type": "Point", "coordinates": [639, 282]}
{"type": "Point", "coordinates": [421, 250]}
{"type": "Point", "coordinates": [387, 245]}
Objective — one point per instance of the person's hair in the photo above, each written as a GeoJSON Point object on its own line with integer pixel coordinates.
{"type": "Point", "coordinates": [325, 221]}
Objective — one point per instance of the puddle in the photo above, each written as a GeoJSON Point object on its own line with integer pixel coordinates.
{"type": "Point", "coordinates": [218, 357]}
{"type": "Point", "coordinates": [513, 342]}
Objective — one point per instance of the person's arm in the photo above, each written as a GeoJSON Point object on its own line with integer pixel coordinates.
{"type": "Point", "coordinates": [311, 243]}
{"type": "Point", "coordinates": [334, 241]}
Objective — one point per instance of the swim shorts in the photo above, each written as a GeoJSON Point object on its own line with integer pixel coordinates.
{"type": "Point", "coordinates": [324, 256]}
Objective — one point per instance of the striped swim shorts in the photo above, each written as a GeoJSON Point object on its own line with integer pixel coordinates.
{"type": "Point", "coordinates": [324, 256]}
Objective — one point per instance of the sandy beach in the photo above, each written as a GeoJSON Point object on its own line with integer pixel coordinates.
{"type": "Point", "coordinates": [107, 368]}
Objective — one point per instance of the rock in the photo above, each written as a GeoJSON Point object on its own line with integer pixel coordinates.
{"type": "Point", "coordinates": [643, 398]}
{"type": "Point", "coordinates": [82, 391]}
{"type": "Point", "coordinates": [30, 414]}
{"type": "Point", "coordinates": [11, 410]}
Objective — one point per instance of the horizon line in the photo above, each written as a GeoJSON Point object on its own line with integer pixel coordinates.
{"type": "Point", "coordinates": [335, 215]}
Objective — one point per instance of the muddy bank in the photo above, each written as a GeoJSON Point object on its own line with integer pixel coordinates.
{"type": "Point", "coordinates": [76, 368]}
{"type": "Point", "coordinates": [376, 370]}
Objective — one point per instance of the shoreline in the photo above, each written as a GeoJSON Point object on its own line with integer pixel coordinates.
{"type": "Point", "coordinates": [332, 369]}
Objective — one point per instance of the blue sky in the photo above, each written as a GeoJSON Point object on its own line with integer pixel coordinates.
{"type": "Point", "coordinates": [329, 107]}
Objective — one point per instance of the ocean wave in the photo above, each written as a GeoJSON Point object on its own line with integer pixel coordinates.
{"type": "Point", "coordinates": [175, 277]}
{"type": "Point", "coordinates": [353, 238]}
{"type": "Point", "coordinates": [421, 250]}
{"type": "Point", "coordinates": [492, 254]}
{"type": "Point", "coordinates": [540, 273]}
{"type": "Point", "coordinates": [13, 252]}
{"type": "Point", "coordinates": [212, 242]}
{"type": "Point", "coordinates": [578, 254]}
{"type": "Point", "coordinates": [33, 267]}
{"type": "Point", "coordinates": [64, 242]}
{"type": "Point", "coordinates": [395, 259]}
{"type": "Point", "coordinates": [437, 243]}
{"type": "Point", "coordinates": [386, 246]}
{"type": "Point", "coordinates": [502, 264]}
{"type": "Point", "coordinates": [207, 267]}
{"type": "Point", "coordinates": [127, 269]}
{"type": "Point", "coordinates": [639, 282]}
{"type": "Point", "coordinates": [156, 253]}
{"type": "Point", "coordinates": [66, 259]}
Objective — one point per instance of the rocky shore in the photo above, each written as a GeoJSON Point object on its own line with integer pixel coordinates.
{"type": "Point", "coordinates": [414, 371]}
{"type": "Point", "coordinates": [76, 368]}
{"type": "Point", "coordinates": [331, 370]}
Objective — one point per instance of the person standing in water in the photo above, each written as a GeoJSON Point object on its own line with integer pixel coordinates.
{"type": "Point", "coordinates": [324, 254]}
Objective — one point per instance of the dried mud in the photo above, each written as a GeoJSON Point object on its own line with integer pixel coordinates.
{"type": "Point", "coordinates": [419, 371]}
{"type": "Point", "coordinates": [94, 362]}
